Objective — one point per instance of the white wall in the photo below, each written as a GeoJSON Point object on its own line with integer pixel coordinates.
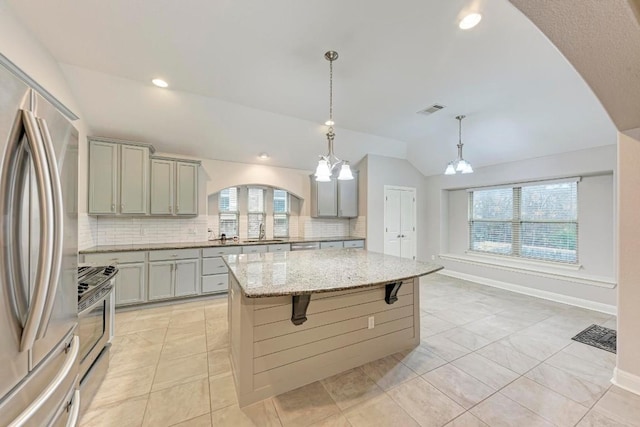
{"type": "Point", "coordinates": [446, 220]}
{"type": "Point", "coordinates": [628, 369]}
{"type": "Point", "coordinates": [17, 44]}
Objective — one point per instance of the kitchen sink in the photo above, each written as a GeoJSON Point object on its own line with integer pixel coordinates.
{"type": "Point", "coordinates": [261, 241]}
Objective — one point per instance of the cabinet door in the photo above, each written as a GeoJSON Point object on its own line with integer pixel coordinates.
{"type": "Point", "coordinates": [134, 179]}
{"type": "Point", "coordinates": [162, 187]}
{"type": "Point", "coordinates": [161, 279]}
{"type": "Point", "coordinates": [103, 174]}
{"type": "Point", "coordinates": [187, 274]}
{"type": "Point", "coordinates": [130, 283]}
{"type": "Point", "coordinates": [326, 193]}
{"type": "Point", "coordinates": [186, 188]}
{"type": "Point", "coordinates": [348, 197]}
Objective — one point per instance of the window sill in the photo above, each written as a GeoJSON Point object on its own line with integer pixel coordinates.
{"type": "Point", "coordinates": [532, 268]}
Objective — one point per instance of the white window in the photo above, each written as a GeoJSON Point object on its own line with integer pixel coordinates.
{"type": "Point", "coordinates": [535, 221]}
{"type": "Point", "coordinates": [255, 214]}
{"type": "Point", "coordinates": [228, 211]}
{"type": "Point", "coordinates": [280, 213]}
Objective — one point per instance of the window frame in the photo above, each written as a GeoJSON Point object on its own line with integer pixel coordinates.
{"type": "Point", "coordinates": [516, 222]}
{"type": "Point", "coordinates": [255, 213]}
{"type": "Point", "coordinates": [284, 214]}
{"type": "Point", "coordinates": [229, 212]}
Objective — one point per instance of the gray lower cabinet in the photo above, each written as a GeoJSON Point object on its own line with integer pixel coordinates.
{"type": "Point", "coordinates": [173, 273]}
{"type": "Point", "coordinates": [186, 277]}
{"type": "Point", "coordinates": [280, 247]}
{"type": "Point", "coordinates": [161, 280]}
{"type": "Point", "coordinates": [130, 283]}
{"type": "Point", "coordinates": [215, 274]}
{"type": "Point", "coordinates": [353, 243]}
{"type": "Point", "coordinates": [255, 249]}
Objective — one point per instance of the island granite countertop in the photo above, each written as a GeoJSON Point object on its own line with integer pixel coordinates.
{"type": "Point", "coordinates": [298, 273]}
{"type": "Point", "coordinates": [211, 244]}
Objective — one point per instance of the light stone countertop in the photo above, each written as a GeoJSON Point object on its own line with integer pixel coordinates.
{"type": "Point", "coordinates": [211, 244]}
{"type": "Point", "coordinates": [297, 273]}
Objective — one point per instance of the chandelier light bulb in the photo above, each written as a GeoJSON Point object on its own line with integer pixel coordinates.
{"type": "Point", "coordinates": [345, 172]}
{"type": "Point", "coordinates": [450, 169]}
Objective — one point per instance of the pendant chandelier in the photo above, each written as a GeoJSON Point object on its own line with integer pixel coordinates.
{"type": "Point", "coordinates": [459, 164]}
{"type": "Point", "coordinates": [327, 164]}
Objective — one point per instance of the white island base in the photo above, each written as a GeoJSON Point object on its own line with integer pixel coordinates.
{"type": "Point", "coordinates": [270, 355]}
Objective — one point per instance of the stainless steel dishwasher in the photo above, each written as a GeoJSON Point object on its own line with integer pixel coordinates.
{"type": "Point", "coordinates": [305, 246]}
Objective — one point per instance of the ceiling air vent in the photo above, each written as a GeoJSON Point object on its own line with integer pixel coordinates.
{"type": "Point", "coordinates": [431, 110]}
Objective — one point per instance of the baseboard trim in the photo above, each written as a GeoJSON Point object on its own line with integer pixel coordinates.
{"type": "Point", "coordinates": [626, 381]}
{"type": "Point", "coordinates": [551, 296]}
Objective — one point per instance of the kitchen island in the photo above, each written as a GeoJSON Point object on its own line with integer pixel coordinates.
{"type": "Point", "coordinates": [298, 317]}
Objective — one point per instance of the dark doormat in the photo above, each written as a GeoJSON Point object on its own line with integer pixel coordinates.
{"type": "Point", "coordinates": [598, 336]}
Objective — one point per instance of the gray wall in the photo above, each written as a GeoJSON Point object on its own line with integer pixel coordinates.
{"type": "Point", "coordinates": [378, 172]}
{"type": "Point", "coordinates": [445, 218]}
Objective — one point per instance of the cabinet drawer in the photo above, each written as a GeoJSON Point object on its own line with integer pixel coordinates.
{"type": "Point", "coordinates": [354, 244]}
{"type": "Point", "coordinates": [174, 254]}
{"type": "Point", "coordinates": [283, 247]}
{"type": "Point", "coordinates": [108, 258]}
{"type": "Point", "coordinates": [215, 283]}
{"type": "Point", "coordinates": [256, 249]}
{"type": "Point", "coordinates": [331, 245]}
{"type": "Point", "coordinates": [213, 266]}
{"type": "Point", "coordinates": [219, 251]}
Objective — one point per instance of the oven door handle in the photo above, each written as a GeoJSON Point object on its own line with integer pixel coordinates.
{"type": "Point", "coordinates": [95, 304]}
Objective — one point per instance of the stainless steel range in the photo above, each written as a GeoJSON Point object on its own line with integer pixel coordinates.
{"type": "Point", "coordinates": [95, 317]}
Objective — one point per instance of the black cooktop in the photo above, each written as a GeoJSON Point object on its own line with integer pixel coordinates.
{"type": "Point", "coordinates": [93, 281]}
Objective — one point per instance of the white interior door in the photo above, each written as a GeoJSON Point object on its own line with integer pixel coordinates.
{"type": "Point", "coordinates": [392, 225]}
{"type": "Point", "coordinates": [400, 222]}
{"type": "Point", "coordinates": [407, 224]}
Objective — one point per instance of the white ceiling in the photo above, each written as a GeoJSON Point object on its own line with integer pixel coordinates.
{"type": "Point", "coordinates": [249, 76]}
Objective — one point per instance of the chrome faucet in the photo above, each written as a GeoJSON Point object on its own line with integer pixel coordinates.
{"type": "Point", "coordinates": [261, 233]}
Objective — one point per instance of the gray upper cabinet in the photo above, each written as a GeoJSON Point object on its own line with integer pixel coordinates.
{"type": "Point", "coordinates": [348, 197]}
{"type": "Point", "coordinates": [174, 187]}
{"type": "Point", "coordinates": [118, 178]}
{"type": "Point", "coordinates": [103, 177]}
{"type": "Point", "coordinates": [134, 179]}
{"type": "Point", "coordinates": [162, 187]}
{"type": "Point", "coordinates": [186, 188]}
{"type": "Point", "coordinates": [324, 198]}
{"type": "Point", "coordinates": [334, 198]}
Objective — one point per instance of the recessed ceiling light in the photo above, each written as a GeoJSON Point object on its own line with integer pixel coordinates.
{"type": "Point", "coordinates": [470, 21]}
{"type": "Point", "coordinates": [160, 83]}
{"type": "Point", "coordinates": [263, 156]}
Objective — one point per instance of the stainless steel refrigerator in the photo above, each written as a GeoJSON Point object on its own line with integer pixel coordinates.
{"type": "Point", "coordinates": [38, 259]}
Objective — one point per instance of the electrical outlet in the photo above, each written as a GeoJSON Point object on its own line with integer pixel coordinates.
{"type": "Point", "coordinates": [372, 322]}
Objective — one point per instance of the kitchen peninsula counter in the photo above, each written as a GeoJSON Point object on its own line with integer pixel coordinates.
{"type": "Point", "coordinates": [299, 317]}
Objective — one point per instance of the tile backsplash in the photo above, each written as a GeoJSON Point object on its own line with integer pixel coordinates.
{"type": "Point", "coordinates": [95, 231]}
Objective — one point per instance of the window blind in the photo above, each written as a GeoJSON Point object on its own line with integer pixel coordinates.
{"type": "Point", "coordinates": [280, 213]}
{"type": "Point", "coordinates": [535, 221]}
{"type": "Point", "coordinates": [228, 211]}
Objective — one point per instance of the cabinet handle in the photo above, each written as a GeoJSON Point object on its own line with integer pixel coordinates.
{"type": "Point", "coordinates": [399, 236]}
{"type": "Point", "coordinates": [170, 209]}
{"type": "Point", "coordinates": [113, 207]}
{"type": "Point", "coordinates": [121, 206]}
{"type": "Point", "coordinates": [177, 208]}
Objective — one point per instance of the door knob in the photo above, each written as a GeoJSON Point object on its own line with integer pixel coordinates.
{"type": "Point", "coordinates": [399, 236]}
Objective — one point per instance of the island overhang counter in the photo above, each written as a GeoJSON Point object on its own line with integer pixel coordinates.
{"type": "Point", "coordinates": [298, 317]}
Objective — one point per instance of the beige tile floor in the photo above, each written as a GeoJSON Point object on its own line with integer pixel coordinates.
{"type": "Point", "coordinates": [487, 357]}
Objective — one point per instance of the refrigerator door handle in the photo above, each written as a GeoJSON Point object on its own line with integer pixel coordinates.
{"type": "Point", "coordinates": [58, 224]}
{"type": "Point", "coordinates": [75, 410]}
{"type": "Point", "coordinates": [12, 185]}
{"type": "Point", "coordinates": [46, 394]}
{"type": "Point", "coordinates": [45, 199]}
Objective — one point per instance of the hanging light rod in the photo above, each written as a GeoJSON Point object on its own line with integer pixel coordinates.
{"type": "Point", "coordinates": [328, 163]}
{"type": "Point", "coordinates": [459, 164]}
